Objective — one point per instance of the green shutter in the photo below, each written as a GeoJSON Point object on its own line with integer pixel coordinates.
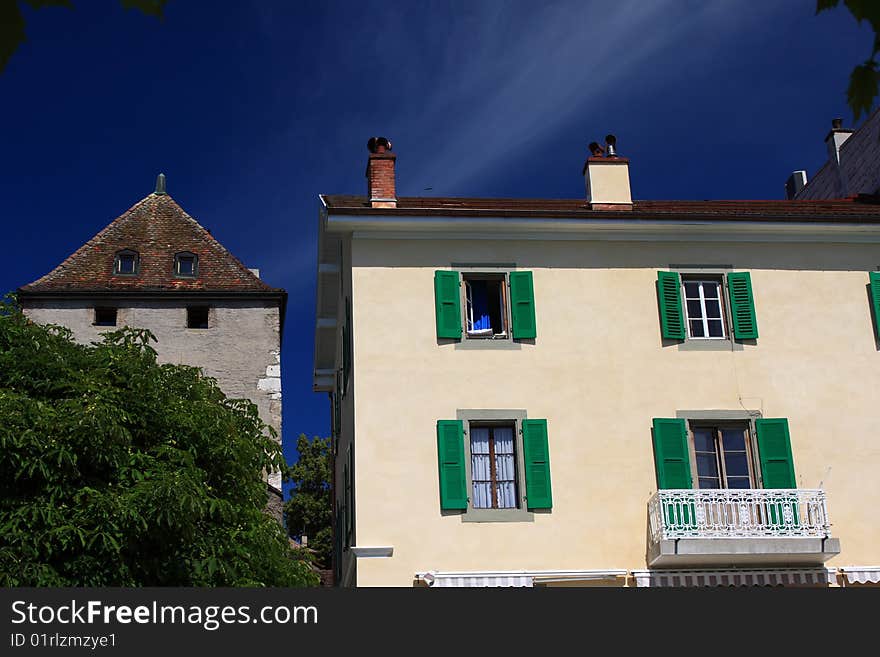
{"type": "Point", "coordinates": [669, 296]}
{"type": "Point", "coordinates": [742, 305]}
{"type": "Point", "coordinates": [337, 544]}
{"type": "Point", "coordinates": [346, 347]}
{"type": "Point", "coordinates": [522, 304]}
{"type": "Point", "coordinates": [774, 450]}
{"type": "Point", "coordinates": [450, 454]}
{"type": "Point", "coordinates": [349, 497]}
{"type": "Point", "coordinates": [777, 467]}
{"type": "Point", "coordinates": [674, 468]}
{"type": "Point", "coordinates": [447, 303]}
{"type": "Point", "coordinates": [536, 458]}
{"type": "Point", "coordinates": [671, 453]}
{"type": "Point", "coordinates": [874, 277]}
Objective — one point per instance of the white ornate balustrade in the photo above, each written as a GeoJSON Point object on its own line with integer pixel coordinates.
{"type": "Point", "coordinates": [738, 513]}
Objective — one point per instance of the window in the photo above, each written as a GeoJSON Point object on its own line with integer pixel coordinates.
{"type": "Point", "coordinates": [105, 316]}
{"type": "Point", "coordinates": [484, 306]}
{"type": "Point", "coordinates": [186, 265]}
{"type": "Point", "coordinates": [705, 316]}
{"type": "Point", "coordinates": [197, 317]}
{"type": "Point", "coordinates": [723, 454]}
{"type": "Point", "coordinates": [126, 263]}
{"type": "Point", "coordinates": [703, 303]}
{"type": "Point", "coordinates": [494, 465]}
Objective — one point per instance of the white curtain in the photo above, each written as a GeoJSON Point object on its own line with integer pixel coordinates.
{"type": "Point", "coordinates": [505, 469]}
{"type": "Point", "coordinates": [480, 472]}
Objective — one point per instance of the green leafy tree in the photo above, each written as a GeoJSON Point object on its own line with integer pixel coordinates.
{"type": "Point", "coordinates": [309, 509]}
{"type": "Point", "coordinates": [118, 471]}
{"type": "Point", "coordinates": [863, 81]}
{"type": "Point", "coordinates": [12, 23]}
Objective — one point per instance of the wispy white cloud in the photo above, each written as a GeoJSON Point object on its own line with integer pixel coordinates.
{"type": "Point", "coordinates": [512, 76]}
{"type": "Point", "coordinates": [465, 89]}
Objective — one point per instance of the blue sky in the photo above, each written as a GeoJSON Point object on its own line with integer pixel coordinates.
{"type": "Point", "coordinates": [252, 109]}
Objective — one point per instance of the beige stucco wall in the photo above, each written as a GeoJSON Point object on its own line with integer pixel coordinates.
{"type": "Point", "coordinates": [599, 372]}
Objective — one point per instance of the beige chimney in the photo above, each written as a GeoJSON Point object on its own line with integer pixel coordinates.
{"type": "Point", "coordinates": [380, 174]}
{"type": "Point", "coordinates": [607, 178]}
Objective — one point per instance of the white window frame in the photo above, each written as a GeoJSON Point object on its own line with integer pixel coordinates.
{"type": "Point", "coordinates": [719, 283]}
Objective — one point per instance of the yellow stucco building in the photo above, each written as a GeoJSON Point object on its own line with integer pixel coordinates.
{"type": "Point", "coordinates": [600, 391]}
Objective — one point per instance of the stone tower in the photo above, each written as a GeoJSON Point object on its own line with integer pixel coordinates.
{"type": "Point", "coordinates": [155, 267]}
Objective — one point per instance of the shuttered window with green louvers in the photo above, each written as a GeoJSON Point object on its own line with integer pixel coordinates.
{"type": "Point", "coordinates": [450, 456]}
{"type": "Point", "coordinates": [774, 450]}
{"type": "Point", "coordinates": [874, 278]}
{"type": "Point", "coordinates": [671, 453]}
{"type": "Point", "coordinates": [346, 347]}
{"type": "Point", "coordinates": [669, 299]}
{"type": "Point", "coordinates": [536, 461]}
{"type": "Point", "coordinates": [742, 305]}
{"type": "Point", "coordinates": [447, 304]}
{"type": "Point", "coordinates": [522, 305]}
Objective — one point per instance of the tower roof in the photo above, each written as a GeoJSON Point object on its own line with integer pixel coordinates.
{"type": "Point", "coordinates": [156, 228]}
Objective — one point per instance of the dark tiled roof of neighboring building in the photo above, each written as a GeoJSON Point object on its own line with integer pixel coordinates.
{"type": "Point", "coordinates": [156, 228]}
{"type": "Point", "coordinates": [863, 208]}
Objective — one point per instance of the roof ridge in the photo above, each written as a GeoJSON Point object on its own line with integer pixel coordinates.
{"type": "Point", "coordinates": [153, 226]}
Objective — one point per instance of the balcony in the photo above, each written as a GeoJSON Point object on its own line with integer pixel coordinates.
{"type": "Point", "coordinates": [768, 526]}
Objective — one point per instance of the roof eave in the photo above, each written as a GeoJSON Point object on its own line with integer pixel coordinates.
{"type": "Point", "coordinates": [608, 225]}
{"type": "Point", "coordinates": [279, 294]}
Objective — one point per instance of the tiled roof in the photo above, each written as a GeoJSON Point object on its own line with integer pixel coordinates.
{"type": "Point", "coordinates": [859, 209]}
{"type": "Point", "coordinates": [156, 228]}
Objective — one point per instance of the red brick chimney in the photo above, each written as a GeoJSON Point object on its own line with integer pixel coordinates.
{"type": "Point", "coordinates": [380, 173]}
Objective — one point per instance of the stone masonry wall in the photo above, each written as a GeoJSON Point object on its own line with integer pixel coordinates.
{"type": "Point", "coordinates": [241, 348]}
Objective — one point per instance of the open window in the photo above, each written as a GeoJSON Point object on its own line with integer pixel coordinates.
{"type": "Point", "coordinates": [486, 310]}
{"type": "Point", "coordinates": [485, 306]}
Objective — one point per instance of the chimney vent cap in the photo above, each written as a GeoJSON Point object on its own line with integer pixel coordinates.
{"type": "Point", "coordinates": [610, 146]}
{"type": "Point", "coordinates": [379, 144]}
{"type": "Point", "coordinates": [836, 124]}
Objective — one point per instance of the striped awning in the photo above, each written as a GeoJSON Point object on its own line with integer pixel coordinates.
{"type": "Point", "coordinates": [477, 579]}
{"type": "Point", "coordinates": [735, 577]}
{"type": "Point", "coordinates": [861, 574]}
{"type": "Point", "coordinates": [519, 578]}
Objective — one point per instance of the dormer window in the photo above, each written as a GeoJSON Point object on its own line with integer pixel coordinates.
{"type": "Point", "coordinates": [186, 265]}
{"type": "Point", "coordinates": [126, 263]}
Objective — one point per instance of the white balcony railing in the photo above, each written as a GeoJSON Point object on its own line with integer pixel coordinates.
{"type": "Point", "coordinates": [738, 513]}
